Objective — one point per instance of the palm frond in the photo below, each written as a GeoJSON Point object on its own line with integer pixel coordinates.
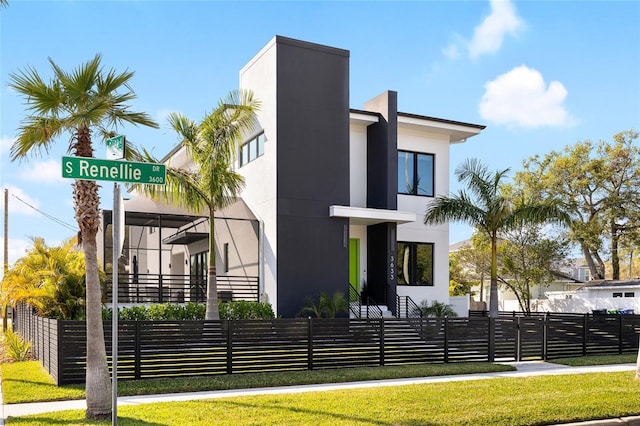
{"type": "Point", "coordinates": [456, 208]}
{"type": "Point", "coordinates": [36, 136]}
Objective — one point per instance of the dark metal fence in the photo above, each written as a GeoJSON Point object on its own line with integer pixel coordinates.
{"type": "Point", "coordinates": [152, 349]}
{"type": "Point", "coordinates": [163, 288]}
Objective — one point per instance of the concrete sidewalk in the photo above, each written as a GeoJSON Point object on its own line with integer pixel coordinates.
{"type": "Point", "coordinates": [524, 369]}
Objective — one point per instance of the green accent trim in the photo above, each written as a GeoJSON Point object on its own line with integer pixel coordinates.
{"type": "Point", "coordinates": [354, 263]}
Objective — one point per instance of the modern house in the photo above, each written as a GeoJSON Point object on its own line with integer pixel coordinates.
{"type": "Point", "coordinates": [334, 197]}
{"type": "Point", "coordinates": [597, 295]}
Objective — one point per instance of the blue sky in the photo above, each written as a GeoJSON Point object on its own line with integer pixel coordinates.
{"type": "Point", "coordinates": [539, 74]}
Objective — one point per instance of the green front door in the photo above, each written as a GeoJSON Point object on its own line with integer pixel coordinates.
{"type": "Point", "coordinates": [354, 264]}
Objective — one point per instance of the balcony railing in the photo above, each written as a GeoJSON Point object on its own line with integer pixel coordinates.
{"type": "Point", "coordinates": [164, 288]}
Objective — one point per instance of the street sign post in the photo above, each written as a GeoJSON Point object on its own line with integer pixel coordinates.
{"type": "Point", "coordinates": [87, 168]}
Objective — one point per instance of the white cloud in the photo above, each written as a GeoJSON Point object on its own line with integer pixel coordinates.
{"type": "Point", "coordinates": [489, 35]}
{"type": "Point", "coordinates": [521, 98]}
{"type": "Point", "coordinates": [45, 172]}
{"type": "Point", "coordinates": [5, 144]}
{"type": "Point", "coordinates": [19, 207]}
{"type": "Point", "coordinates": [16, 249]}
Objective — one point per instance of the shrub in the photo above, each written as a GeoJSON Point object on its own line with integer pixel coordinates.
{"type": "Point", "coordinates": [241, 309]}
{"type": "Point", "coordinates": [436, 309]}
{"type": "Point", "coordinates": [192, 311]}
{"type": "Point", "coordinates": [17, 349]}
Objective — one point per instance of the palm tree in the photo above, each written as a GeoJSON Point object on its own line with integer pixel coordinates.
{"type": "Point", "coordinates": [212, 146]}
{"type": "Point", "coordinates": [51, 279]}
{"type": "Point", "coordinates": [80, 102]}
{"type": "Point", "coordinates": [485, 207]}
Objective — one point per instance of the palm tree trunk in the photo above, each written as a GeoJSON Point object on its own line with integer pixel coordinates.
{"type": "Point", "coordinates": [87, 205]}
{"type": "Point", "coordinates": [98, 382]}
{"type": "Point", "coordinates": [212, 312]}
{"type": "Point", "coordinates": [493, 296]}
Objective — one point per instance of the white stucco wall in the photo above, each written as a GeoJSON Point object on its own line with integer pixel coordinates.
{"type": "Point", "coordinates": [358, 165]}
{"type": "Point", "coordinates": [437, 144]}
{"type": "Point", "coordinates": [259, 75]}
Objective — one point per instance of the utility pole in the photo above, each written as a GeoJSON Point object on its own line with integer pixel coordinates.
{"type": "Point", "coordinates": [6, 253]}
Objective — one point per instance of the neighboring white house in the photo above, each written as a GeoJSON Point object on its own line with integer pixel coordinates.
{"type": "Point", "coordinates": [565, 280]}
{"type": "Point", "coordinates": [333, 196]}
{"type": "Point", "coordinates": [597, 295]}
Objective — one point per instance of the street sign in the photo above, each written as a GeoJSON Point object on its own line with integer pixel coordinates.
{"type": "Point", "coordinates": [87, 168]}
{"type": "Point", "coordinates": [115, 147]}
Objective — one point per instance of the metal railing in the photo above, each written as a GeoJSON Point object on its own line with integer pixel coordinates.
{"type": "Point", "coordinates": [369, 309]}
{"type": "Point", "coordinates": [407, 308]}
{"type": "Point", "coordinates": [164, 288]}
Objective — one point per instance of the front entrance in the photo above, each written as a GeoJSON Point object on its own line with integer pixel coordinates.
{"type": "Point", "coordinates": [198, 275]}
{"type": "Point", "coordinates": [354, 264]}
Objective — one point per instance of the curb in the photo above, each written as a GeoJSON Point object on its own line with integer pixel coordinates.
{"type": "Point", "coordinates": [622, 421]}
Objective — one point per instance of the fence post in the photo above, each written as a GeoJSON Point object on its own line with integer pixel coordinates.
{"type": "Point", "coordinates": [59, 353]}
{"type": "Point", "coordinates": [229, 347]}
{"type": "Point", "coordinates": [381, 341]}
{"type": "Point", "coordinates": [445, 325]}
{"type": "Point", "coordinates": [137, 368]}
{"type": "Point", "coordinates": [545, 324]}
{"type": "Point", "coordinates": [620, 328]}
{"type": "Point", "coordinates": [585, 328]}
{"type": "Point", "coordinates": [492, 339]}
{"type": "Point", "coordinates": [310, 343]}
{"type": "Point", "coordinates": [518, 340]}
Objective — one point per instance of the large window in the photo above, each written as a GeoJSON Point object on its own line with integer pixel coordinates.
{"type": "Point", "coordinates": [252, 149]}
{"type": "Point", "coordinates": [415, 264]}
{"type": "Point", "coordinates": [415, 173]}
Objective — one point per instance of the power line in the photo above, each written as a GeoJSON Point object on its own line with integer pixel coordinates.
{"type": "Point", "coordinates": [47, 215]}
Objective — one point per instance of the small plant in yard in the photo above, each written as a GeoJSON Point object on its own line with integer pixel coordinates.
{"type": "Point", "coordinates": [327, 307]}
{"type": "Point", "coordinates": [436, 309]}
{"type": "Point", "coordinates": [16, 348]}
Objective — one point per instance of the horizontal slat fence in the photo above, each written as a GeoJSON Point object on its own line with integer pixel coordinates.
{"type": "Point", "coordinates": [154, 349]}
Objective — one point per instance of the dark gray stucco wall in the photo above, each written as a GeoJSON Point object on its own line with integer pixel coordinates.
{"type": "Point", "coordinates": [312, 171]}
{"type": "Point", "coordinates": [382, 193]}
{"type": "Point", "coordinates": [382, 153]}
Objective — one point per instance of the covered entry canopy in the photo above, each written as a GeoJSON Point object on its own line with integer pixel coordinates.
{"type": "Point", "coordinates": [141, 211]}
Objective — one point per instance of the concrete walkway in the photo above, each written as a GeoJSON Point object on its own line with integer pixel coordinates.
{"type": "Point", "coordinates": [524, 369]}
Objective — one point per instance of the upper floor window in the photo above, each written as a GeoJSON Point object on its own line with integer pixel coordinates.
{"type": "Point", "coordinates": [252, 149]}
{"type": "Point", "coordinates": [415, 173]}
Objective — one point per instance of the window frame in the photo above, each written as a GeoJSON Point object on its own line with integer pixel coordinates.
{"type": "Point", "coordinates": [413, 271]}
{"type": "Point", "coordinates": [415, 178]}
{"type": "Point", "coordinates": [251, 149]}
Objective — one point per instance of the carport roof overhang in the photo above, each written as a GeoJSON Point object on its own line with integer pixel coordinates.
{"type": "Point", "coordinates": [368, 216]}
{"type": "Point", "coordinates": [157, 220]}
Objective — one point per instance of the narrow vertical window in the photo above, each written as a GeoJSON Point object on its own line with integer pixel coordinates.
{"type": "Point", "coordinates": [226, 257]}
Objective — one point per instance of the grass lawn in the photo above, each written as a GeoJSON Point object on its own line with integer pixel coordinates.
{"type": "Point", "coordinates": [507, 401]}
{"type": "Point", "coordinates": [597, 360]}
{"type": "Point", "coordinates": [29, 381]}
